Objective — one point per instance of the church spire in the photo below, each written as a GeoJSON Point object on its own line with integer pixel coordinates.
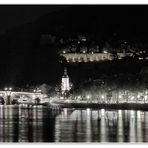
{"type": "Point", "coordinates": [65, 71]}
{"type": "Point", "coordinates": [65, 86]}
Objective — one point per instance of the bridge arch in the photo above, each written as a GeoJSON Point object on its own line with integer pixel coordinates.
{"type": "Point", "coordinates": [2, 100]}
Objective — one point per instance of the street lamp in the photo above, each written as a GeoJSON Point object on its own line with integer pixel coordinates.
{"type": "Point", "coordinates": [145, 98]}
{"type": "Point", "coordinates": [88, 97]}
{"type": "Point", "coordinates": [119, 99]}
{"type": "Point", "coordinates": [37, 92]}
{"type": "Point", "coordinates": [8, 93]}
{"type": "Point", "coordinates": [120, 96]}
{"type": "Point", "coordinates": [103, 98]}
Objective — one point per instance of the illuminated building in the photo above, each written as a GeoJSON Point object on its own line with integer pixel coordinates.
{"type": "Point", "coordinates": [65, 86]}
{"type": "Point", "coordinates": [92, 57]}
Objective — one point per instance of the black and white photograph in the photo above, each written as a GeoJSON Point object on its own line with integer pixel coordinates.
{"type": "Point", "coordinates": [73, 73]}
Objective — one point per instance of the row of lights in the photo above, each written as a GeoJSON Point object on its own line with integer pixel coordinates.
{"type": "Point", "coordinates": [104, 51]}
{"type": "Point", "coordinates": [120, 96]}
{"type": "Point", "coordinates": [10, 89]}
{"type": "Point", "coordinates": [36, 90]}
{"type": "Point", "coordinates": [85, 52]}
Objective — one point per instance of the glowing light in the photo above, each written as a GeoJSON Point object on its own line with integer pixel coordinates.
{"type": "Point", "coordinates": [10, 88]}
{"type": "Point", "coordinates": [79, 97]}
{"type": "Point", "coordinates": [120, 96]}
{"type": "Point", "coordinates": [140, 58]}
{"type": "Point", "coordinates": [138, 96]}
{"type": "Point", "coordinates": [88, 97]}
{"type": "Point", "coordinates": [64, 51]}
{"type": "Point", "coordinates": [105, 52]}
{"type": "Point", "coordinates": [6, 88]}
{"type": "Point", "coordinates": [132, 97]}
{"type": "Point", "coordinates": [84, 39]}
{"type": "Point", "coordinates": [84, 51]}
{"type": "Point", "coordinates": [102, 97]}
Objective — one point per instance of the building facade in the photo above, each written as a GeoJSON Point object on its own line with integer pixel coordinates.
{"type": "Point", "coordinates": [65, 86]}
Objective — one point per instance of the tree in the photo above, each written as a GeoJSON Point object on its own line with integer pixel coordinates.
{"type": "Point", "coordinates": [45, 88]}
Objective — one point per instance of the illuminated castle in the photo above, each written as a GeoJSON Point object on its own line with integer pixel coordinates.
{"type": "Point", "coordinates": [65, 86]}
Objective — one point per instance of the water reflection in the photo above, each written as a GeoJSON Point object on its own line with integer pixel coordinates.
{"type": "Point", "coordinates": [120, 133]}
{"type": "Point", "coordinates": [40, 124]}
{"type": "Point", "coordinates": [139, 127]}
{"type": "Point", "coordinates": [145, 131]}
{"type": "Point", "coordinates": [88, 125]}
{"type": "Point", "coordinates": [132, 128]}
{"type": "Point", "coordinates": [26, 124]}
{"type": "Point", "coordinates": [103, 132]}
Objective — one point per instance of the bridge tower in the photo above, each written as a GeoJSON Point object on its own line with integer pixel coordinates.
{"type": "Point", "coordinates": [65, 86]}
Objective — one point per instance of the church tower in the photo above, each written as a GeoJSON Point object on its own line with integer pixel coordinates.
{"type": "Point", "coordinates": [65, 82]}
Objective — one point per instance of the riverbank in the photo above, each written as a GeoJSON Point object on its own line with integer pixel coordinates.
{"type": "Point", "coordinates": [123, 106]}
{"type": "Point", "coordinates": [60, 105]}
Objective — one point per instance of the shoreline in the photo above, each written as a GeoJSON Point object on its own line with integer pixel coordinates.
{"type": "Point", "coordinates": [122, 106]}
{"type": "Point", "coordinates": [60, 105]}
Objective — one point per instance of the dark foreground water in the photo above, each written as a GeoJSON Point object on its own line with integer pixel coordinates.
{"type": "Point", "coordinates": [40, 124]}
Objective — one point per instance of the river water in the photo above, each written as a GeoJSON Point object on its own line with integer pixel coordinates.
{"type": "Point", "coordinates": [40, 124]}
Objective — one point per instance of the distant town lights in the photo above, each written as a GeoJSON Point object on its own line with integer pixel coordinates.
{"type": "Point", "coordinates": [8, 89]}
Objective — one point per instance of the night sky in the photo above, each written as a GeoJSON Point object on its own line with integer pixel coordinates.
{"type": "Point", "coordinates": [25, 60]}
{"type": "Point", "coordinates": [15, 15]}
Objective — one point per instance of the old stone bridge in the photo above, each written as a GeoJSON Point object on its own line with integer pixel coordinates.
{"type": "Point", "coordinates": [9, 96]}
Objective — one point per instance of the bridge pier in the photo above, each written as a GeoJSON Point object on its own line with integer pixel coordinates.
{"type": "Point", "coordinates": [8, 100]}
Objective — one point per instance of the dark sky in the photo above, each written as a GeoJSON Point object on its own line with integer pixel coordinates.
{"type": "Point", "coordinates": [26, 60]}
{"type": "Point", "coordinates": [14, 15]}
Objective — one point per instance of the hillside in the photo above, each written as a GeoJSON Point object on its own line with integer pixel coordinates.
{"type": "Point", "coordinates": [29, 52]}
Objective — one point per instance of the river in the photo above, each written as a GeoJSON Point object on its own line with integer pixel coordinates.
{"type": "Point", "coordinates": [41, 124]}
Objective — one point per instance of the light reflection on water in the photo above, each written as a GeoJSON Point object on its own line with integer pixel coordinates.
{"type": "Point", "coordinates": [40, 124]}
